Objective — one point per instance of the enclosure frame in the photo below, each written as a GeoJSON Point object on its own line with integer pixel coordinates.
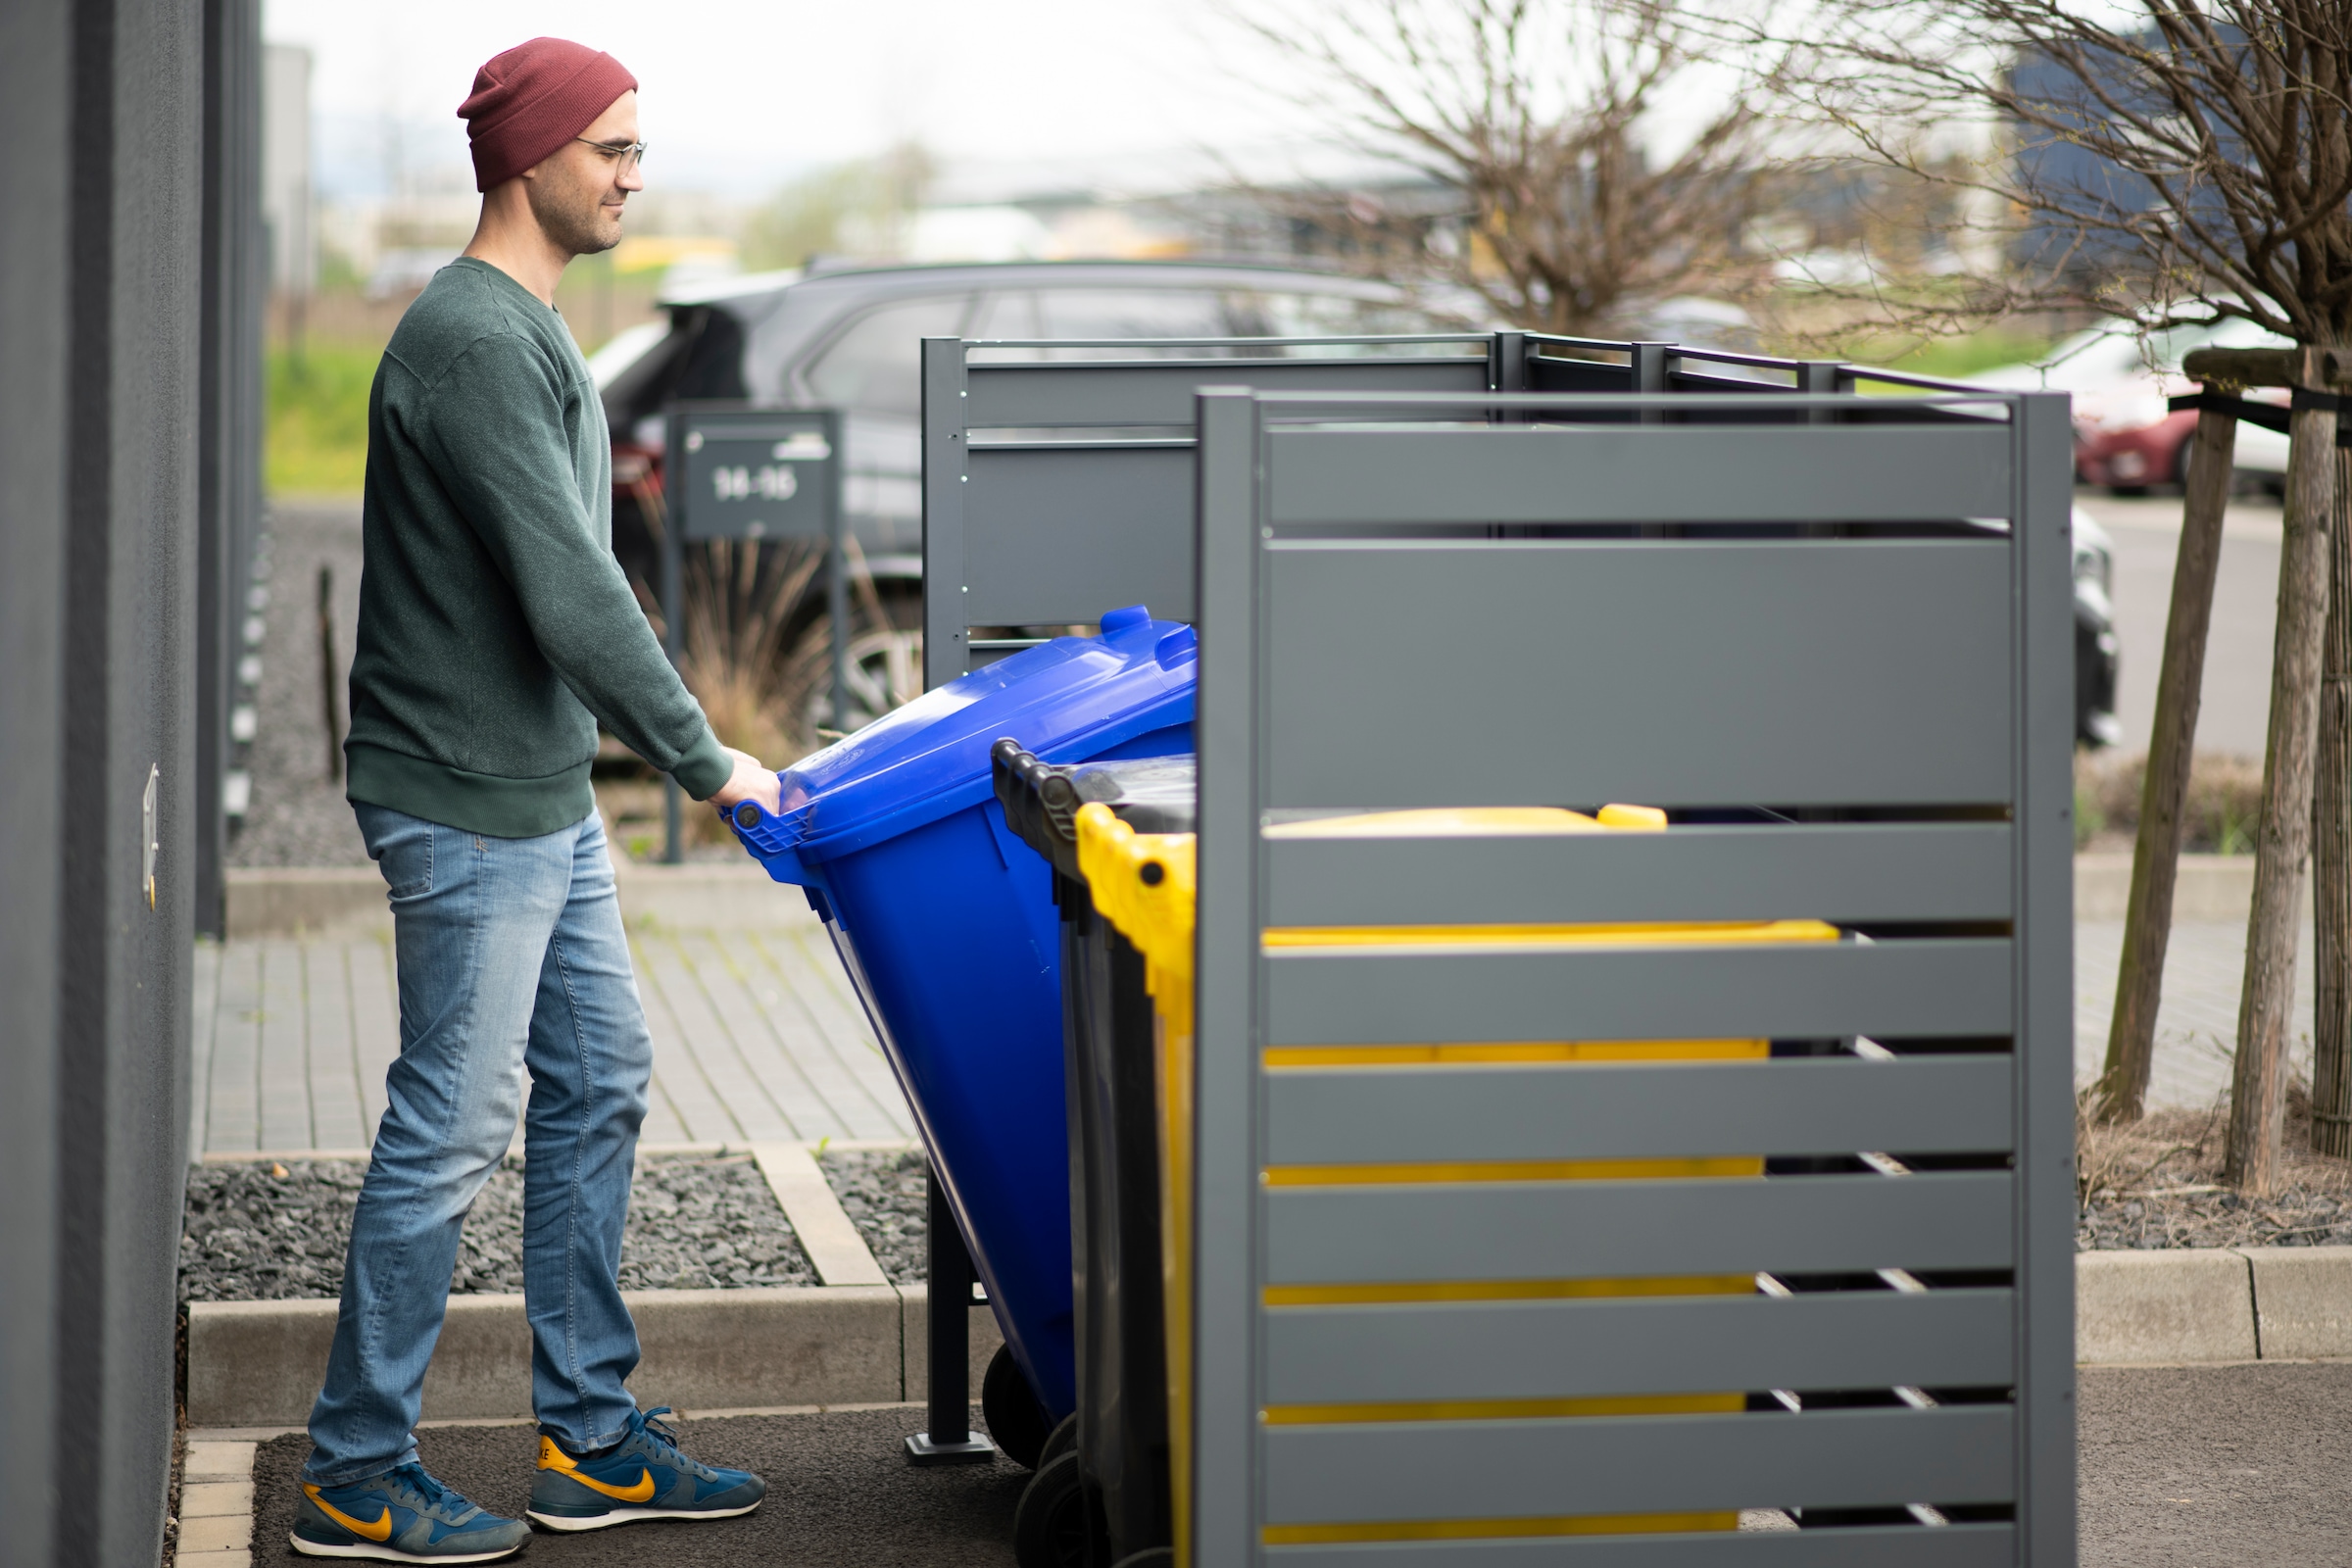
{"type": "Point", "coordinates": [1072, 519]}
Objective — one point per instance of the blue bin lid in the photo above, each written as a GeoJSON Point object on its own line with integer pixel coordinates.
{"type": "Point", "coordinates": [1065, 700]}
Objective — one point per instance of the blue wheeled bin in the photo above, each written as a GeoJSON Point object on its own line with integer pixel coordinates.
{"type": "Point", "coordinates": [945, 924]}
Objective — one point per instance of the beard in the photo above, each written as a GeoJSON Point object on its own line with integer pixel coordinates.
{"type": "Point", "coordinates": [572, 212]}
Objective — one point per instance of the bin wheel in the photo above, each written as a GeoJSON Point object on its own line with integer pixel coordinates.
{"type": "Point", "coordinates": [1063, 1440]}
{"type": "Point", "coordinates": [1059, 1523]}
{"type": "Point", "coordinates": [1014, 1417]}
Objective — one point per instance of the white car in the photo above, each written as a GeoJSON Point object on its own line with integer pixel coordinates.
{"type": "Point", "coordinates": [2125, 436]}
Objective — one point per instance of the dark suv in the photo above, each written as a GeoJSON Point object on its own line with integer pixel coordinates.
{"type": "Point", "coordinates": [852, 339]}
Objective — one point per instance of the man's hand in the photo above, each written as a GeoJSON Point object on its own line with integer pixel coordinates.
{"type": "Point", "coordinates": [752, 780]}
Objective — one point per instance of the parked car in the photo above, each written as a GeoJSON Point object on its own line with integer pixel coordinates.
{"type": "Point", "coordinates": [852, 338]}
{"type": "Point", "coordinates": [2095, 644]}
{"type": "Point", "coordinates": [2125, 436]}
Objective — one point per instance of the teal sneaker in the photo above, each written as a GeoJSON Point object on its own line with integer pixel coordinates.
{"type": "Point", "coordinates": [642, 1476]}
{"type": "Point", "coordinates": [402, 1516]}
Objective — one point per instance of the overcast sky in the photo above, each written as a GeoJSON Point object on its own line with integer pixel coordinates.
{"type": "Point", "coordinates": [738, 95]}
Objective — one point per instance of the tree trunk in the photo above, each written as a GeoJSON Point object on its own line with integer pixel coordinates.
{"type": "Point", "coordinates": [2258, 1081]}
{"type": "Point", "coordinates": [2331, 846]}
{"type": "Point", "coordinates": [2156, 858]}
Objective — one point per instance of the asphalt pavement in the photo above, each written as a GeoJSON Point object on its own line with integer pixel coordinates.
{"type": "Point", "coordinates": [2181, 1468]}
{"type": "Point", "coordinates": [2216, 1466]}
{"type": "Point", "coordinates": [2234, 714]}
{"type": "Point", "coordinates": [841, 1495]}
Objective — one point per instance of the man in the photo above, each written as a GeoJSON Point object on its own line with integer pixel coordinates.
{"type": "Point", "coordinates": [495, 630]}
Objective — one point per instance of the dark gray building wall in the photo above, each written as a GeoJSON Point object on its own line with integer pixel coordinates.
{"type": "Point", "coordinates": [100, 274]}
{"type": "Point", "coordinates": [35, 49]}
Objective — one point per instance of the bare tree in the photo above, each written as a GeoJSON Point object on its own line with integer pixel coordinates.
{"type": "Point", "coordinates": [1551, 124]}
{"type": "Point", "coordinates": [2197, 161]}
{"type": "Point", "coordinates": [2190, 160]}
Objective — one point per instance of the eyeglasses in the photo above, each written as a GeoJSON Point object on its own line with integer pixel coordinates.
{"type": "Point", "coordinates": [628, 158]}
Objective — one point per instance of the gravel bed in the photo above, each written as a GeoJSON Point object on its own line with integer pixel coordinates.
{"type": "Point", "coordinates": [887, 1196]}
{"type": "Point", "coordinates": [2158, 1183]}
{"type": "Point", "coordinates": [273, 1232]}
{"type": "Point", "coordinates": [2160, 1218]}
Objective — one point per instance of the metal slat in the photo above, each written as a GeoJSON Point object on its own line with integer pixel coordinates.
{"type": "Point", "coordinates": [1623, 1111]}
{"type": "Point", "coordinates": [1794, 673]}
{"type": "Point", "coordinates": [1650, 473]}
{"type": "Point", "coordinates": [1413, 995]}
{"type": "Point", "coordinates": [1845, 873]}
{"type": "Point", "coordinates": [1082, 393]}
{"type": "Point", "coordinates": [1973, 1545]}
{"type": "Point", "coordinates": [1636, 1464]}
{"type": "Point", "coordinates": [1061, 534]}
{"type": "Point", "coordinates": [1627, 1229]}
{"type": "Point", "coordinates": [1604, 1347]}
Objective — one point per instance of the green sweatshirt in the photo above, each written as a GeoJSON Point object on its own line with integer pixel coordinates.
{"type": "Point", "coordinates": [495, 628]}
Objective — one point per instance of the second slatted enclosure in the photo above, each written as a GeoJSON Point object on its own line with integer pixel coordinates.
{"type": "Point", "coordinates": [1697, 1195]}
{"type": "Point", "coordinates": [1057, 477]}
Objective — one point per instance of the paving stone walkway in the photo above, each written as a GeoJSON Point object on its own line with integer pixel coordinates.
{"type": "Point", "coordinates": [757, 1037]}
{"type": "Point", "coordinates": [2196, 1027]}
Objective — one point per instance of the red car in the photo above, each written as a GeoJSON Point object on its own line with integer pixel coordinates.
{"type": "Point", "coordinates": [2134, 458]}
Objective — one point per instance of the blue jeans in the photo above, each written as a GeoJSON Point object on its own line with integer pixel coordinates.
{"type": "Point", "coordinates": [511, 956]}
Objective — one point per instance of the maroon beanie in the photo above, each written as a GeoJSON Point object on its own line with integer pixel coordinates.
{"type": "Point", "coordinates": [533, 99]}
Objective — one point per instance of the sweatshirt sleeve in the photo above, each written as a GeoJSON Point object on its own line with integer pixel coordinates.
{"type": "Point", "coordinates": [495, 428]}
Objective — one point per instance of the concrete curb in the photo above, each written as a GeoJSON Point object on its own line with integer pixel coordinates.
{"type": "Point", "coordinates": [2210, 887]}
{"type": "Point", "coordinates": [2188, 1306]}
{"type": "Point", "coordinates": [259, 1363]}
{"type": "Point", "coordinates": [349, 901]}
{"type": "Point", "coordinates": [2242, 1303]}
{"type": "Point", "coordinates": [855, 1338]}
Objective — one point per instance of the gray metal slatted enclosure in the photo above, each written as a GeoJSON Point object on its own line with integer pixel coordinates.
{"type": "Point", "coordinates": [1832, 636]}
{"type": "Point", "coordinates": [1059, 517]}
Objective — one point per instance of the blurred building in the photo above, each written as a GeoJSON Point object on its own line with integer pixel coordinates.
{"type": "Point", "coordinates": [288, 202]}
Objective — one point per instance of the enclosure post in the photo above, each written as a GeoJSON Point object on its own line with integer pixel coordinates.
{"type": "Point", "coordinates": [1506, 362]}
{"type": "Point", "coordinates": [2180, 685]}
{"type": "Point", "coordinates": [946, 582]}
{"type": "Point", "coordinates": [673, 632]}
{"type": "Point", "coordinates": [1649, 367]}
{"type": "Point", "coordinates": [2331, 840]}
{"type": "Point", "coordinates": [2258, 1082]}
{"type": "Point", "coordinates": [1649, 364]}
{"type": "Point", "coordinates": [837, 576]}
{"type": "Point", "coordinates": [331, 705]}
{"type": "Point", "coordinates": [947, 1344]}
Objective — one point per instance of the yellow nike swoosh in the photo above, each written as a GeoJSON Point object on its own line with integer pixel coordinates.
{"type": "Point", "coordinates": [642, 1491]}
{"type": "Point", "coordinates": [552, 1458]}
{"type": "Point", "coordinates": [380, 1528]}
